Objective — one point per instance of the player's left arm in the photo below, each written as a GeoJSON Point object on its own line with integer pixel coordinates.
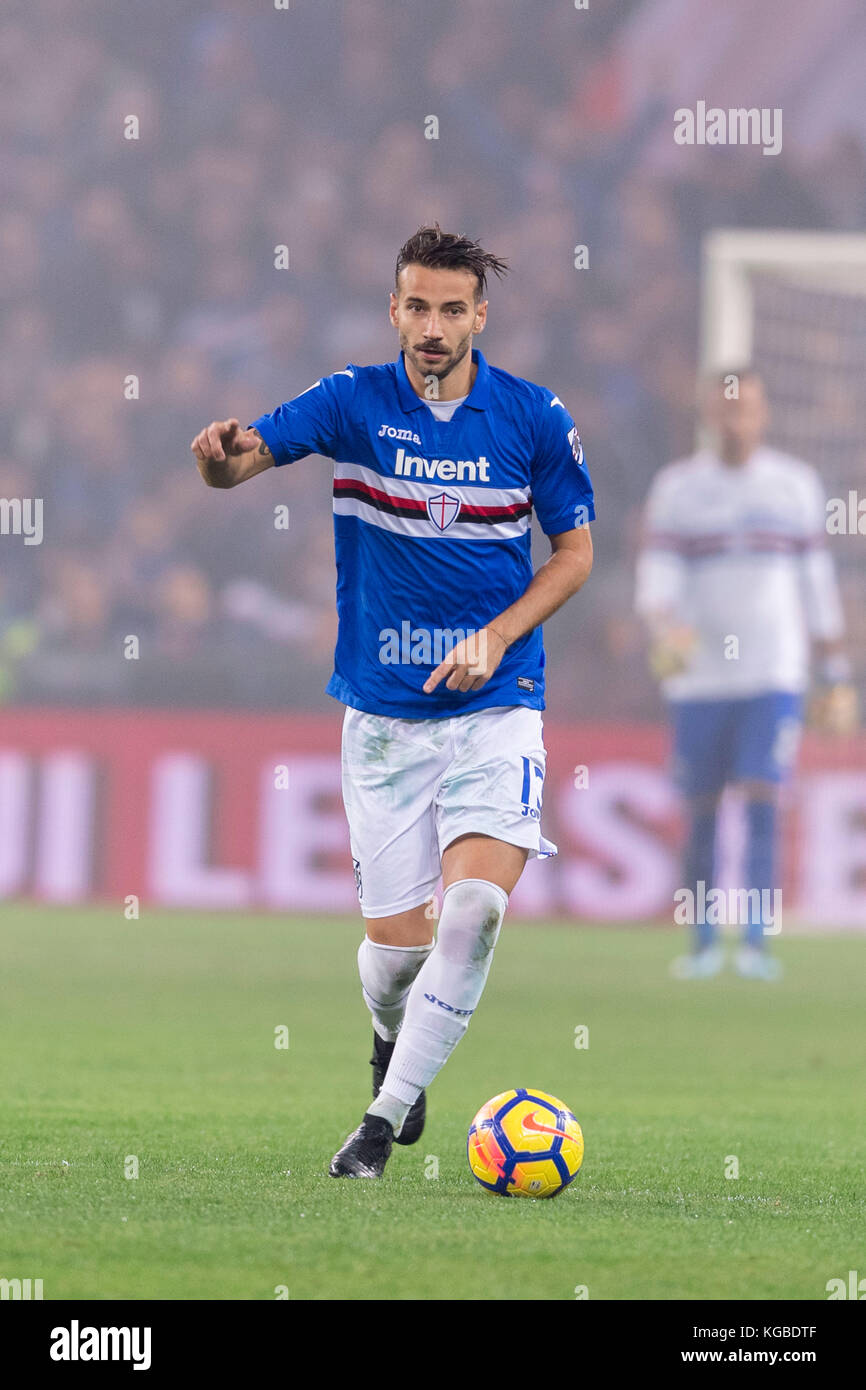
{"type": "Point", "coordinates": [562, 498]}
{"type": "Point", "coordinates": [833, 704]}
{"type": "Point", "coordinates": [474, 660]}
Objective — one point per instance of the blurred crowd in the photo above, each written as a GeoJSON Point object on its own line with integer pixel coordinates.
{"type": "Point", "coordinates": [140, 300]}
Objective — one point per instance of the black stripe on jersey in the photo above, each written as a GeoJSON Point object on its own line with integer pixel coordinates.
{"type": "Point", "coordinates": [416, 508]}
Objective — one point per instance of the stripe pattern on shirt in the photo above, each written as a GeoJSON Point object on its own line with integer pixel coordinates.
{"type": "Point", "coordinates": [697, 547]}
{"type": "Point", "coordinates": [401, 505]}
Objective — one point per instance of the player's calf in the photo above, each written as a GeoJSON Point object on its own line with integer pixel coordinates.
{"type": "Point", "coordinates": [444, 996]}
{"type": "Point", "coordinates": [413, 1125]}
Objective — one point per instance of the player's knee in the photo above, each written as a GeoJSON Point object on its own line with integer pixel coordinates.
{"type": "Point", "coordinates": [412, 928]}
{"type": "Point", "coordinates": [472, 914]}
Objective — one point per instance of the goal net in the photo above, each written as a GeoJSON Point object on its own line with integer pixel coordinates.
{"type": "Point", "coordinates": [793, 305]}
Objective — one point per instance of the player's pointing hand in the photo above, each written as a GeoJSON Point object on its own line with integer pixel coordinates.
{"type": "Point", "coordinates": [470, 664]}
{"type": "Point", "coordinates": [226, 454]}
{"type": "Point", "coordinates": [223, 439]}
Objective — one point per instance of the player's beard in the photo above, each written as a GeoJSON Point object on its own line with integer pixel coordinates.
{"type": "Point", "coordinates": [442, 369]}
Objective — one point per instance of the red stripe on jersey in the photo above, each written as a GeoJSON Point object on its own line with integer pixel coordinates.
{"type": "Point", "coordinates": [734, 542]}
{"type": "Point", "coordinates": [356, 488]}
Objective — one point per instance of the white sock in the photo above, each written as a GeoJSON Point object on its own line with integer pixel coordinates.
{"type": "Point", "coordinates": [387, 973]}
{"type": "Point", "coordinates": [444, 995]}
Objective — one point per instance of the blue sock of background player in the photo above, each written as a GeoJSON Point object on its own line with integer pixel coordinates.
{"type": "Point", "coordinates": [699, 865]}
{"type": "Point", "coordinates": [760, 866]}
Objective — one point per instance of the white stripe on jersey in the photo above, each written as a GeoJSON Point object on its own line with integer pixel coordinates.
{"type": "Point", "coordinates": [400, 505]}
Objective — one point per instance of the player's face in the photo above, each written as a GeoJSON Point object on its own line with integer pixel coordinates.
{"type": "Point", "coordinates": [436, 315]}
{"type": "Point", "coordinates": [739, 422]}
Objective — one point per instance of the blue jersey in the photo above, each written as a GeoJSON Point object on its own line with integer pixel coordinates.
{"type": "Point", "coordinates": [431, 524]}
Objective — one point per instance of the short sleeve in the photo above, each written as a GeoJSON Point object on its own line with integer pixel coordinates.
{"type": "Point", "coordinates": [561, 488]}
{"type": "Point", "coordinates": [822, 602]}
{"type": "Point", "coordinates": [664, 513]}
{"type": "Point", "coordinates": [814, 509]}
{"type": "Point", "coordinates": [662, 573]}
{"type": "Point", "coordinates": [312, 423]}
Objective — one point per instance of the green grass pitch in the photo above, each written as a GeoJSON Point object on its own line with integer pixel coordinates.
{"type": "Point", "coordinates": [155, 1039]}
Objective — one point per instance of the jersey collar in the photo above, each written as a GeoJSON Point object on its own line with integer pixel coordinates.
{"type": "Point", "coordinates": [478, 398]}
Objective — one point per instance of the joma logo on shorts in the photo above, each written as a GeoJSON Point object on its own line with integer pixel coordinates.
{"type": "Point", "coordinates": [449, 1008]}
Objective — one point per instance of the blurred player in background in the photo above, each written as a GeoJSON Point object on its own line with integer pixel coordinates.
{"type": "Point", "coordinates": [738, 591]}
{"type": "Point", "coordinates": [440, 462]}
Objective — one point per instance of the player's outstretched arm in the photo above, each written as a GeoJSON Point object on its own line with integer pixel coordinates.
{"type": "Point", "coordinates": [227, 455]}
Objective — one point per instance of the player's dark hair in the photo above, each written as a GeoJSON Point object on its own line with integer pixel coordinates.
{"type": "Point", "coordinates": [439, 250]}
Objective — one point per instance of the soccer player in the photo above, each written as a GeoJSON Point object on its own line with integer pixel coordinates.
{"type": "Point", "coordinates": [735, 584]}
{"type": "Point", "coordinates": [440, 460]}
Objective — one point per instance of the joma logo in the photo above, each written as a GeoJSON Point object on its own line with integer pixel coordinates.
{"type": "Point", "coordinates": [391, 432]}
{"type": "Point", "coordinates": [449, 1008]}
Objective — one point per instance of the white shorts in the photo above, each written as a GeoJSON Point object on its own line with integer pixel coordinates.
{"type": "Point", "coordinates": [411, 786]}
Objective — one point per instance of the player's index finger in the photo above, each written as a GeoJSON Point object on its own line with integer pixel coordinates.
{"type": "Point", "coordinates": [436, 676]}
{"type": "Point", "coordinates": [215, 442]}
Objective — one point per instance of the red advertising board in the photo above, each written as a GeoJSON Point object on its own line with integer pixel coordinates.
{"type": "Point", "coordinates": [227, 811]}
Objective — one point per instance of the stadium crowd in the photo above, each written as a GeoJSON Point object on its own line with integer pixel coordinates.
{"type": "Point", "coordinates": [140, 300]}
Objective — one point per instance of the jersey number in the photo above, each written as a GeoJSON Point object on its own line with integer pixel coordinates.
{"type": "Point", "coordinates": [530, 786]}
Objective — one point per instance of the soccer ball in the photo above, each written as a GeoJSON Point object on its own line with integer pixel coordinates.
{"type": "Point", "coordinates": [525, 1144]}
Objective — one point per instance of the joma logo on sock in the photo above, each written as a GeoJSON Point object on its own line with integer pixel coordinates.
{"type": "Point", "coordinates": [449, 1008]}
{"type": "Point", "coordinates": [76, 1343]}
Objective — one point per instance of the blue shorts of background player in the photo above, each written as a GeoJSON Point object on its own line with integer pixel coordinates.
{"type": "Point", "coordinates": [750, 742]}
{"type": "Point", "coordinates": [750, 739]}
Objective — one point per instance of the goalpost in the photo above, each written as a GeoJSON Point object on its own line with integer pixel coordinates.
{"type": "Point", "coordinates": [793, 305]}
